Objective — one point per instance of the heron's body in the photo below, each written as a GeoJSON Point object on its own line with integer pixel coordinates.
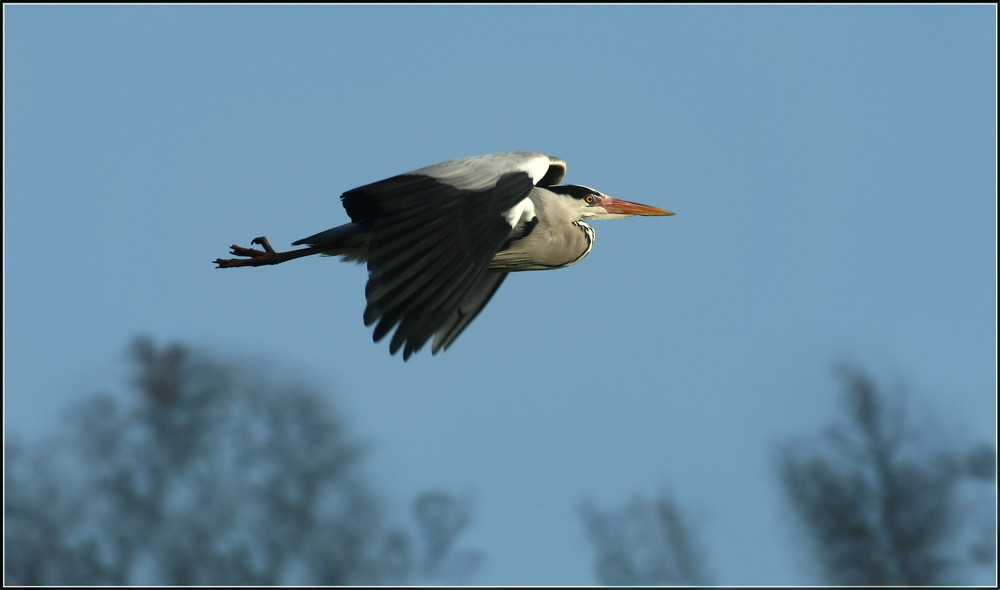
{"type": "Point", "coordinates": [440, 240]}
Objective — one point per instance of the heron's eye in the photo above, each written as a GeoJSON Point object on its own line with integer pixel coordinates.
{"type": "Point", "coordinates": [590, 199]}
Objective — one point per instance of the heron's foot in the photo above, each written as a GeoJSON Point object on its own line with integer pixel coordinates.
{"type": "Point", "coordinates": [253, 257]}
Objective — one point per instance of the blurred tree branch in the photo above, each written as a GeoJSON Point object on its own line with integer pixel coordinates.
{"type": "Point", "coordinates": [647, 543]}
{"type": "Point", "coordinates": [209, 473]}
{"type": "Point", "coordinates": [877, 499]}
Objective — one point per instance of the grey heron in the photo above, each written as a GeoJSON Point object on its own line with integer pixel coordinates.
{"type": "Point", "coordinates": [440, 240]}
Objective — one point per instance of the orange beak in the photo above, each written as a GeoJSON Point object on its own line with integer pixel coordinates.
{"type": "Point", "coordinates": [619, 207]}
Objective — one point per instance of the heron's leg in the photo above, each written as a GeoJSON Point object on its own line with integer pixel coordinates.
{"type": "Point", "coordinates": [263, 257]}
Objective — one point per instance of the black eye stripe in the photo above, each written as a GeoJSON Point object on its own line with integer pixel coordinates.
{"type": "Point", "coordinates": [576, 191]}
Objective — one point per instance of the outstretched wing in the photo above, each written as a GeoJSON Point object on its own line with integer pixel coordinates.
{"type": "Point", "coordinates": [470, 306]}
{"type": "Point", "coordinates": [433, 233]}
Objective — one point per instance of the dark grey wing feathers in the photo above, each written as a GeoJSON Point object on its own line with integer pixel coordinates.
{"type": "Point", "coordinates": [474, 302]}
{"type": "Point", "coordinates": [430, 245]}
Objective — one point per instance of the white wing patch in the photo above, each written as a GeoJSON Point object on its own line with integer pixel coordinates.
{"type": "Point", "coordinates": [522, 212]}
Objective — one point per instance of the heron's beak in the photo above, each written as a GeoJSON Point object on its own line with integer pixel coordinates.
{"type": "Point", "coordinates": [619, 207]}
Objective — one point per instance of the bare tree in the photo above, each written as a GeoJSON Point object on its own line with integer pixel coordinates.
{"type": "Point", "coordinates": [205, 473]}
{"type": "Point", "coordinates": [440, 519]}
{"type": "Point", "coordinates": [875, 495]}
{"type": "Point", "coordinates": [646, 543]}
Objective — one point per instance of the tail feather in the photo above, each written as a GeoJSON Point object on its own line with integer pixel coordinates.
{"type": "Point", "coordinates": [349, 240]}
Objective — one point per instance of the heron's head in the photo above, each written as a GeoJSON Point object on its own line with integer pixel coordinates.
{"type": "Point", "coordinates": [593, 204]}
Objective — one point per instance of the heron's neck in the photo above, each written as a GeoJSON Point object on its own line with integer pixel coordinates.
{"type": "Point", "coordinates": [554, 209]}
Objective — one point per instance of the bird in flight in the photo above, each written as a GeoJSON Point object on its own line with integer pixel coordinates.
{"type": "Point", "coordinates": [440, 240]}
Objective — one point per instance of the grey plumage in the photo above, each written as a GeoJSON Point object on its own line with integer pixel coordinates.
{"type": "Point", "coordinates": [440, 240]}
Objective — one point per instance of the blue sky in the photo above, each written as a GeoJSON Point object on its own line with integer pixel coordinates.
{"type": "Point", "coordinates": [832, 170]}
